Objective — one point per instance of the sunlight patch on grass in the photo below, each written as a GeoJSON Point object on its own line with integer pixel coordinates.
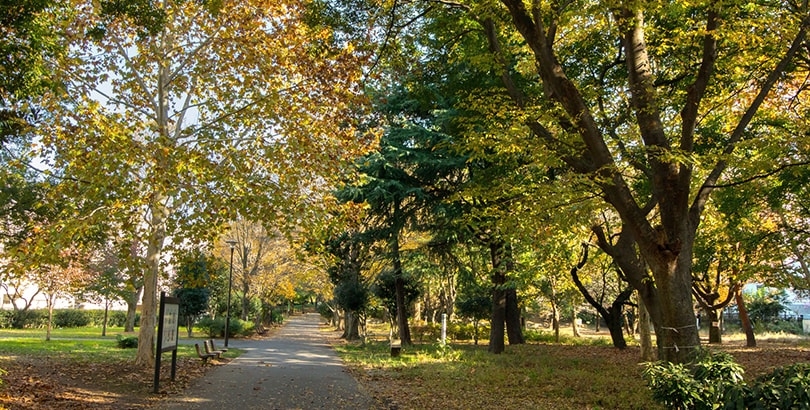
{"type": "Point", "coordinates": [525, 376]}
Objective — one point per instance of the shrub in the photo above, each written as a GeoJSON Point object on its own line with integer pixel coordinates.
{"type": "Point", "coordinates": [127, 342]}
{"type": "Point", "coordinates": [429, 332]}
{"type": "Point", "coordinates": [22, 319]}
{"type": "Point", "coordinates": [714, 381]}
{"type": "Point", "coordinates": [277, 317]}
{"type": "Point", "coordinates": [784, 388]}
{"type": "Point", "coordinates": [246, 328]}
{"type": "Point", "coordinates": [70, 318]}
{"type": "Point", "coordinates": [216, 327]}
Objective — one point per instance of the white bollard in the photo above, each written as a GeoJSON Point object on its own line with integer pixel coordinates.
{"type": "Point", "coordinates": [444, 327]}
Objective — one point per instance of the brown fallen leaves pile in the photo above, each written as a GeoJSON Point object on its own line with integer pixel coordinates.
{"type": "Point", "coordinates": [45, 383]}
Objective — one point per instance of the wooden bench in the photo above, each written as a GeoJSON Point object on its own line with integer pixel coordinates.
{"type": "Point", "coordinates": [211, 341]}
{"type": "Point", "coordinates": [396, 348]}
{"type": "Point", "coordinates": [203, 356]}
{"type": "Point", "coordinates": [209, 349]}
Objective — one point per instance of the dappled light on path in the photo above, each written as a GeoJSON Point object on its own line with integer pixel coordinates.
{"type": "Point", "coordinates": [293, 369]}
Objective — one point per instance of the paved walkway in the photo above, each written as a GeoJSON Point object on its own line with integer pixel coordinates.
{"type": "Point", "coordinates": [294, 369]}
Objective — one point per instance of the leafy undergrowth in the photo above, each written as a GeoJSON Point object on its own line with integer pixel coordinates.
{"type": "Point", "coordinates": [62, 382]}
{"type": "Point", "coordinates": [538, 376]}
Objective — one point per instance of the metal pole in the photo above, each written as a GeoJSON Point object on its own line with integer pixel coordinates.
{"type": "Point", "coordinates": [228, 308]}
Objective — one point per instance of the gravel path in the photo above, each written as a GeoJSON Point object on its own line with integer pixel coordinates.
{"type": "Point", "coordinates": [293, 369]}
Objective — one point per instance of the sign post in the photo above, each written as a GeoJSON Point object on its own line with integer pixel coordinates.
{"type": "Point", "coordinates": [168, 323]}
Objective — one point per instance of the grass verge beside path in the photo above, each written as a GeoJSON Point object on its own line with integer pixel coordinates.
{"type": "Point", "coordinates": [88, 373]}
{"type": "Point", "coordinates": [532, 376]}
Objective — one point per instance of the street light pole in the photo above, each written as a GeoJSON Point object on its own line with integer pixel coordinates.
{"type": "Point", "coordinates": [230, 283]}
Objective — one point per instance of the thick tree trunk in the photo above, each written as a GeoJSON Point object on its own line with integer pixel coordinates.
{"type": "Point", "coordinates": [614, 325]}
{"type": "Point", "coordinates": [713, 317]}
{"type": "Point", "coordinates": [352, 331]}
{"type": "Point", "coordinates": [498, 321]}
{"type": "Point", "coordinates": [745, 321]}
{"type": "Point", "coordinates": [678, 333]}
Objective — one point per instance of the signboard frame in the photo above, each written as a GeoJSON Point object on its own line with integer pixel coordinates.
{"type": "Point", "coordinates": [167, 334]}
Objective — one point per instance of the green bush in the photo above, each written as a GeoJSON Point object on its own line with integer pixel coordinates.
{"type": "Point", "coordinates": [277, 317]}
{"type": "Point", "coordinates": [714, 381]}
{"type": "Point", "coordinates": [71, 318]}
{"type": "Point", "coordinates": [708, 382]}
{"type": "Point", "coordinates": [216, 327]}
{"type": "Point", "coordinates": [426, 333]}
{"type": "Point", "coordinates": [246, 329]}
{"type": "Point", "coordinates": [793, 327]}
{"type": "Point", "coordinates": [126, 342]}
{"type": "Point", "coordinates": [27, 319]}
{"type": "Point", "coordinates": [784, 388]}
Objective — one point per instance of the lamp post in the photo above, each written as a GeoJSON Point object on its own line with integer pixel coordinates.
{"type": "Point", "coordinates": [232, 243]}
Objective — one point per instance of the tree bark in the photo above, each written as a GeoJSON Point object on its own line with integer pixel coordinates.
{"type": "Point", "coordinates": [645, 339]}
{"type": "Point", "coordinates": [713, 317]}
{"type": "Point", "coordinates": [399, 283]}
{"type": "Point", "coordinates": [499, 302]}
{"type": "Point", "coordinates": [132, 309]}
{"type": "Point", "coordinates": [555, 318]}
{"type": "Point", "coordinates": [745, 321]}
{"type": "Point", "coordinates": [106, 315]}
{"type": "Point", "coordinates": [145, 355]}
{"type": "Point", "coordinates": [352, 329]}
{"type": "Point", "coordinates": [514, 329]}
{"type": "Point", "coordinates": [514, 326]}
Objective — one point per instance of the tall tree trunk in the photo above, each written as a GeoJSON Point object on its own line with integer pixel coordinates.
{"type": "Point", "coordinates": [245, 305]}
{"type": "Point", "coordinates": [745, 321]}
{"type": "Point", "coordinates": [399, 283]}
{"type": "Point", "coordinates": [145, 355]}
{"type": "Point", "coordinates": [50, 318]}
{"type": "Point", "coordinates": [555, 318]}
{"type": "Point", "coordinates": [132, 309]}
{"type": "Point", "coordinates": [514, 326]}
{"type": "Point", "coordinates": [499, 302]}
{"type": "Point", "coordinates": [106, 315]}
{"type": "Point", "coordinates": [645, 339]}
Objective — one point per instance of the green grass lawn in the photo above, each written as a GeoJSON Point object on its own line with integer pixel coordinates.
{"type": "Point", "coordinates": [536, 376]}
